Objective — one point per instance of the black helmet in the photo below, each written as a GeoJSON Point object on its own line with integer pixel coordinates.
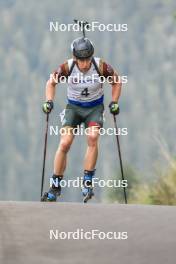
{"type": "Point", "coordinates": [82, 48]}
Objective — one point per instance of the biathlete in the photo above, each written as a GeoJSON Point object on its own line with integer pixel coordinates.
{"type": "Point", "coordinates": [85, 105]}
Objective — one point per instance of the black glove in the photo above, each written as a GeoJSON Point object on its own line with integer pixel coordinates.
{"type": "Point", "coordinates": [114, 108]}
{"type": "Point", "coordinates": [48, 106]}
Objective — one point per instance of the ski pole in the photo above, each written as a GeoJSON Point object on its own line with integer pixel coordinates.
{"type": "Point", "coordinates": [120, 157]}
{"type": "Point", "coordinates": [44, 153]}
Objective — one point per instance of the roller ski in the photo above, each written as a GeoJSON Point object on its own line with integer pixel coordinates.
{"type": "Point", "coordinates": [54, 191]}
{"type": "Point", "coordinates": [87, 189]}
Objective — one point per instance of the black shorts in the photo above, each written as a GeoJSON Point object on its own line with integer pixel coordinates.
{"type": "Point", "coordinates": [74, 115]}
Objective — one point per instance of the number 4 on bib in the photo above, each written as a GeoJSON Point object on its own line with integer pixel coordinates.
{"type": "Point", "coordinates": [85, 92]}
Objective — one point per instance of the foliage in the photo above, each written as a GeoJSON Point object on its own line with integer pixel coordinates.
{"type": "Point", "coordinates": [161, 191]}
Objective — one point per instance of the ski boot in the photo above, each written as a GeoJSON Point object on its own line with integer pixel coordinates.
{"type": "Point", "coordinates": [87, 189]}
{"type": "Point", "coordinates": [54, 191]}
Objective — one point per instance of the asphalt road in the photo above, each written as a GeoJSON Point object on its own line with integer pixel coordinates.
{"type": "Point", "coordinates": [25, 233]}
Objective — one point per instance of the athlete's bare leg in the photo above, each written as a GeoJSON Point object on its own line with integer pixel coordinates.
{"type": "Point", "coordinates": [61, 153]}
{"type": "Point", "coordinates": [92, 149]}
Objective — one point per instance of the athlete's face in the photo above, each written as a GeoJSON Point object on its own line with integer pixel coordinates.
{"type": "Point", "coordinates": [84, 65]}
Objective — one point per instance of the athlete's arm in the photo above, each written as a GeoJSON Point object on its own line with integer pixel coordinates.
{"type": "Point", "coordinates": [54, 80]}
{"type": "Point", "coordinates": [50, 93]}
{"type": "Point", "coordinates": [116, 88]}
{"type": "Point", "coordinates": [51, 87]}
{"type": "Point", "coordinates": [112, 78]}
